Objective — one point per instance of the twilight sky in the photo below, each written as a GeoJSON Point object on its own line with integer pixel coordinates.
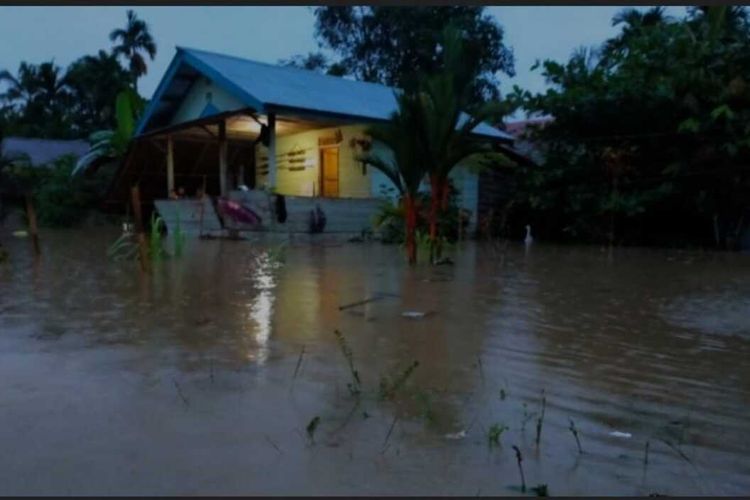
{"type": "Point", "coordinates": [37, 34]}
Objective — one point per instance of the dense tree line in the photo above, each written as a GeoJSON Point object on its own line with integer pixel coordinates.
{"type": "Point", "coordinates": [47, 101]}
{"type": "Point", "coordinates": [649, 138]}
{"type": "Point", "coordinates": [649, 141]}
{"type": "Point", "coordinates": [393, 45]}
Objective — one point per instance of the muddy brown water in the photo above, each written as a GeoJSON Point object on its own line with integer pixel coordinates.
{"type": "Point", "coordinates": [184, 382]}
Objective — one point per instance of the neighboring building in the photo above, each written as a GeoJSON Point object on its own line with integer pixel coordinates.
{"type": "Point", "coordinates": [522, 131]}
{"type": "Point", "coordinates": [39, 152]}
{"type": "Point", "coordinates": [496, 186]}
{"type": "Point", "coordinates": [219, 123]}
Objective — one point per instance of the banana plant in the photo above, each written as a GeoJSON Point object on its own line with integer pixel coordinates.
{"type": "Point", "coordinates": [110, 145]}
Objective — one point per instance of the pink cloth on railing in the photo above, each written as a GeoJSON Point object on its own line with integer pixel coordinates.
{"type": "Point", "coordinates": [238, 212]}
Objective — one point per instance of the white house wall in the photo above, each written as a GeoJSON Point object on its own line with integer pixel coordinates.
{"type": "Point", "coordinates": [353, 183]}
{"type": "Point", "coordinates": [198, 97]}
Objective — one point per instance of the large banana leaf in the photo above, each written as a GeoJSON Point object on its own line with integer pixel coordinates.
{"type": "Point", "coordinates": [112, 144]}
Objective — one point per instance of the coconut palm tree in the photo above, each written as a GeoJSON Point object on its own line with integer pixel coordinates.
{"type": "Point", "coordinates": [721, 20]}
{"type": "Point", "coordinates": [94, 81]}
{"type": "Point", "coordinates": [20, 87]}
{"type": "Point", "coordinates": [633, 22]}
{"type": "Point", "coordinates": [43, 83]}
{"type": "Point", "coordinates": [40, 96]}
{"type": "Point", "coordinates": [451, 113]}
{"type": "Point", "coordinates": [132, 42]}
{"type": "Point", "coordinates": [399, 154]}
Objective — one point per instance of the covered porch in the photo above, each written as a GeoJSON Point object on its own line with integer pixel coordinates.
{"type": "Point", "coordinates": [251, 157]}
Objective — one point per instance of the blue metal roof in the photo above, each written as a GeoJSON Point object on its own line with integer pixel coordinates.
{"type": "Point", "coordinates": [263, 87]}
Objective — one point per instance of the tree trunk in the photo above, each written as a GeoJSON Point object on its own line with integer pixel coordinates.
{"type": "Point", "coordinates": [444, 194]}
{"type": "Point", "coordinates": [411, 227]}
{"type": "Point", "coordinates": [435, 196]}
{"type": "Point", "coordinates": [144, 258]}
{"type": "Point", "coordinates": [33, 229]}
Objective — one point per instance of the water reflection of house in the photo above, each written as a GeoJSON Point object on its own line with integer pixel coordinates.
{"type": "Point", "coordinates": [222, 123]}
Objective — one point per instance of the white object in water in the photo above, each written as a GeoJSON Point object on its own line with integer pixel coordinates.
{"type": "Point", "coordinates": [20, 233]}
{"type": "Point", "coordinates": [529, 239]}
{"type": "Point", "coordinates": [457, 435]}
{"type": "Point", "coordinates": [618, 434]}
{"type": "Point", "coordinates": [243, 187]}
{"type": "Point", "coordinates": [413, 314]}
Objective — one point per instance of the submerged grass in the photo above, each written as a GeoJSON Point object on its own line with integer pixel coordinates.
{"type": "Point", "coordinates": [493, 434]}
{"type": "Point", "coordinates": [540, 490]}
{"type": "Point", "coordinates": [426, 411]}
{"type": "Point", "coordinates": [519, 460]}
{"type": "Point", "coordinates": [156, 248]}
{"type": "Point", "coordinates": [178, 238]}
{"type": "Point", "coordinates": [277, 254]}
{"type": "Point", "coordinates": [574, 431]}
{"type": "Point", "coordinates": [124, 248]}
{"type": "Point", "coordinates": [527, 416]}
{"type": "Point", "coordinates": [540, 420]}
{"type": "Point", "coordinates": [355, 386]}
{"type": "Point", "coordinates": [390, 431]}
{"type": "Point", "coordinates": [389, 388]}
{"type": "Point", "coordinates": [312, 426]}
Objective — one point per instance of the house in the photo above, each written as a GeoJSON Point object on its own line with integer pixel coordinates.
{"type": "Point", "coordinates": [496, 186]}
{"type": "Point", "coordinates": [522, 131]}
{"type": "Point", "coordinates": [246, 130]}
{"type": "Point", "coordinates": [40, 152]}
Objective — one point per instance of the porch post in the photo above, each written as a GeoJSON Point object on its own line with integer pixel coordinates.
{"type": "Point", "coordinates": [241, 174]}
{"type": "Point", "coordinates": [271, 150]}
{"type": "Point", "coordinates": [223, 157]}
{"type": "Point", "coordinates": [170, 165]}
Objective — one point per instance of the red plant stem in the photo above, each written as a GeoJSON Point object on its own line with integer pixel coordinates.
{"type": "Point", "coordinates": [411, 227]}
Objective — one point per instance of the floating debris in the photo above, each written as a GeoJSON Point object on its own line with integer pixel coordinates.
{"type": "Point", "coordinates": [413, 314]}
{"type": "Point", "coordinates": [445, 261]}
{"type": "Point", "coordinates": [618, 434]}
{"type": "Point", "coordinates": [360, 303]}
{"type": "Point", "coordinates": [456, 435]}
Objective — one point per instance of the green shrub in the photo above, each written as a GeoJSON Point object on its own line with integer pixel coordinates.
{"type": "Point", "coordinates": [60, 200]}
{"type": "Point", "coordinates": [389, 219]}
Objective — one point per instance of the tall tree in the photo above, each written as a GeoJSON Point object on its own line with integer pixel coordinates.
{"type": "Point", "coordinates": [452, 112]}
{"type": "Point", "coordinates": [633, 22]}
{"type": "Point", "coordinates": [94, 82]}
{"type": "Point", "coordinates": [390, 44]}
{"type": "Point", "coordinates": [315, 61]}
{"type": "Point", "coordinates": [133, 42]}
{"type": "Point", "coordinates": [402, 159]}
{"type": "Point", "coordinates": [38, 99]}
{"type": "Point", "coordinates": [649, 143]}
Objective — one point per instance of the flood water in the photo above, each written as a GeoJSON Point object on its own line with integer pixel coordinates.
{"type": "Point", "coordinates": [203, 378]}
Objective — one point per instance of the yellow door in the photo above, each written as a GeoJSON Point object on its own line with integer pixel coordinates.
{"type": "Point", "coordinates": [329, 172]}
